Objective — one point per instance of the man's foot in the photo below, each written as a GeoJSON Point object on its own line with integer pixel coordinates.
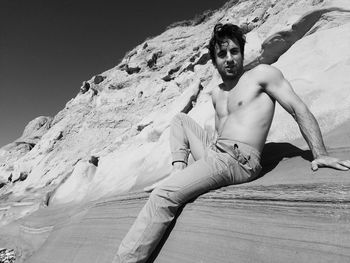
{"type": "Point", "coordinates": [177, 166]}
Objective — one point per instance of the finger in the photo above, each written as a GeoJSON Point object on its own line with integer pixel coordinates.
{"type": "Point", "coordinates": [345, 163]}
{"type": "Point", "coordinates": [339, 167]}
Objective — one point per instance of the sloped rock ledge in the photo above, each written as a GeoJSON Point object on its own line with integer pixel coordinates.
{"type": "Point", "coordinates": [290, 214]}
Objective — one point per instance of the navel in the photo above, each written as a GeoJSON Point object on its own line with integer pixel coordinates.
{"type": "Point", "coordinates": [240, 103]}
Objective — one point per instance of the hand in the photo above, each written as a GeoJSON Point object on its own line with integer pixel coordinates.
{"type": "Point", "coordinates": [328, 161]}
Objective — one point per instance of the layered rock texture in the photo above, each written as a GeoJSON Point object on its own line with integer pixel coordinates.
{"type": "Point", "coordinates": [71, 185]}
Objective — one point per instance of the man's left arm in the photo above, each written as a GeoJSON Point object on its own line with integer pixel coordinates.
{"type": "Point", "coordinates": [280, 89]}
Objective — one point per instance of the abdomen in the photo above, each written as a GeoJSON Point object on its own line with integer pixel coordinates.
{"type": "Point", "coordinates": [251, 123]}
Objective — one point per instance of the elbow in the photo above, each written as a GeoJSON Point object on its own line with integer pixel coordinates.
{"type": "Point", "coordinates": [303, 109]}
{"type": "Point", "coordinates": [294, 112]}
{"type": "Point", "coordinates": [301, 112]}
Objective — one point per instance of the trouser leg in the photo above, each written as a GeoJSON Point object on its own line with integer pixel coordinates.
{"type": "Point", "coordinates": [161, 208]}
{"type": "Point", "coordinates": [187, 136]}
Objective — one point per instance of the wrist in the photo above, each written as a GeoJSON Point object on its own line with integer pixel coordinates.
{"type": "Point", "coordinates": [320, 154]}
{"type": "Point", "coordinates": [179, 165]}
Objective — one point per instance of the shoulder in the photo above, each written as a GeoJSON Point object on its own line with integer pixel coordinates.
{"type": "Point", "coordinates": [265, 72]}
{"type": "Point", "coordinates": [266, 75]}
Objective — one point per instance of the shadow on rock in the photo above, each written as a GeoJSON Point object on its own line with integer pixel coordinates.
{"type": "Point", "coordinates": [166, 235]}
{"type": "Point", "coordinates": [273, 153]}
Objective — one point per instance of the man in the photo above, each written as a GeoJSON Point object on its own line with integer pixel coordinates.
{"type": "Point", "coordinates": [244, 106]}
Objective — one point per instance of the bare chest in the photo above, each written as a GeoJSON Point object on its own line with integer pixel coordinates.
{"type": "Point", "coordinates": [241, 98]}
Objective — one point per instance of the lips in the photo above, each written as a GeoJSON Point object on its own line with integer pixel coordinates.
{"type": "Point", "coordinates": [230, 69]}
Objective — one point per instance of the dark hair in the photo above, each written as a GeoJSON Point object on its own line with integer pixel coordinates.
{"type": "Point", "coordinates": [230, 31]}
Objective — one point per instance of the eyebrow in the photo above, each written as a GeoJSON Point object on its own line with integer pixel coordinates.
{"type": "Point", "coordinates": [221, 51]}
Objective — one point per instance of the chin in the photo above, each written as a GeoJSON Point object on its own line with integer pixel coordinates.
{"type": "Point", "coordinates": [230, 76]}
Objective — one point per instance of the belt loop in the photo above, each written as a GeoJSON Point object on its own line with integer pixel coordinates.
{"type": "Point", "coordinates": [236, 150]}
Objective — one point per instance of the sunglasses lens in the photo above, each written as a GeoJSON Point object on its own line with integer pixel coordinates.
{"type": "Point", "coordinates": [218, 27]}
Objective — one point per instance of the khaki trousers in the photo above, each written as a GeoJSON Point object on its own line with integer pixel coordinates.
{"type": "Point", "coordinates": [218, 163]}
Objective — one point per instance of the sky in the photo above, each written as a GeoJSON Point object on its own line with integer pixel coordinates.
{"type": "Point", "coordinates": [49, 47]}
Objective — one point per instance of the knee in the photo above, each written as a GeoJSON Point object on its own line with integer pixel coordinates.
{"type": "Point", "coordinates": [164, 199]}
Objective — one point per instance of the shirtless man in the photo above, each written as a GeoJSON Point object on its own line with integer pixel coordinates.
{"type": "Point", "coordinates": [244, 106]}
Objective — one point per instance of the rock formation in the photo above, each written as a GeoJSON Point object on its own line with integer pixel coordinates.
{"type": "Point", "coordinates": [85, 168]}
{"type": "Point", "coordinates": [85, 87]}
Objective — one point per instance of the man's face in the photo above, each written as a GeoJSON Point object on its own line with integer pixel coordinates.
{"type": "Point", "coordinates": [229, 59]}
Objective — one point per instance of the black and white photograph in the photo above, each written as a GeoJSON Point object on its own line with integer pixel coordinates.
{"type": "Point", "coordinates": [175, 131]}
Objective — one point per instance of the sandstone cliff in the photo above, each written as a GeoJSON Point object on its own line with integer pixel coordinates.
{"type": "Point", "coordinates": [78, 168]}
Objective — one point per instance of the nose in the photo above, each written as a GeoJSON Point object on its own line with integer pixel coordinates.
{"type": "Point", "coordinates": [229, 57]}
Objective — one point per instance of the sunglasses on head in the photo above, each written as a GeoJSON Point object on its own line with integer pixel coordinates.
{"type": "Point", "coordinates": [230, 27]}
{"type": "Point", "coordinates": [218, 27]}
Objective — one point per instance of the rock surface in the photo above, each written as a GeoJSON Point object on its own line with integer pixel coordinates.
{"type": "Point", "coordinates": [90, 162]}
{"type": "Point", "coordinates": [290, 214]}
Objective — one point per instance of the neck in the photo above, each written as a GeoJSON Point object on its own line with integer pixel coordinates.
{"type": "Point", "coordinates": [230, 83]}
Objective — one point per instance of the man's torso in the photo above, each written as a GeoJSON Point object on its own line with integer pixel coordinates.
{"type": "Point", "coordinates": [244, 113]}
